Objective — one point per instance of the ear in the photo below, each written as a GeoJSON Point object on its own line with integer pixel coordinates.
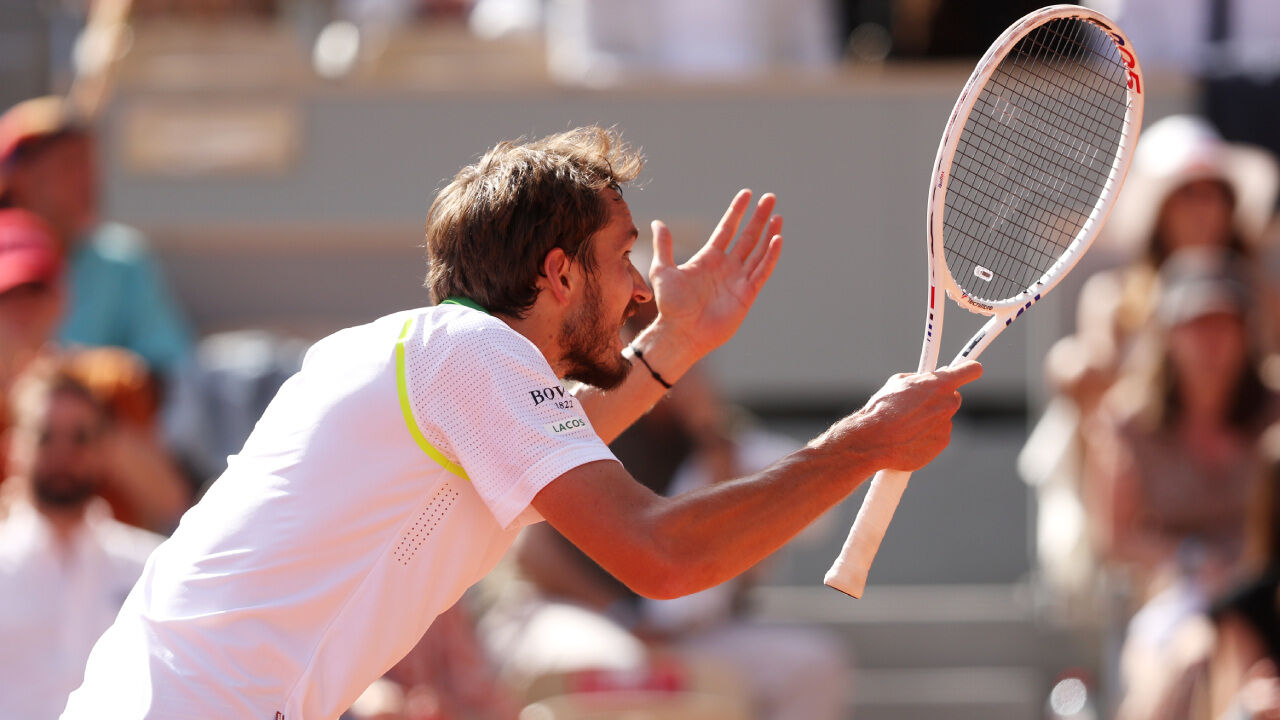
{"type": "Point", "coordinates": [557, 275]}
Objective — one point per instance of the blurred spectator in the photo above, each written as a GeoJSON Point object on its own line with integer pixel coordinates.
{"type": "Point", "coordinates": [1174, 456]}
{"type": "Point", "coordinates": [116, 294]}
{"type": "Point", "coordinates": [65, 564]}
{"type": "Point", "coordinates": [573, 616]}
{"type": "Point", "coordinates": [30, 299]}
{"type": "Point", "coordinates": [1223, 666]}
{"type": "Point", "coordinates": [1187, 188]}
{"type": "Point", "coordinates": [144, 487]}
{"type": "Point", "coordinates": [1178, 461]}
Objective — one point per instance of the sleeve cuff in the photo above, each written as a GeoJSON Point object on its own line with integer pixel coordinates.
{"type": "Point", "coordinates": [508, 507]}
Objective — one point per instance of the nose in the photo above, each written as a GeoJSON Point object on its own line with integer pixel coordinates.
{"type": "Point", "coordinates": [640, 291]}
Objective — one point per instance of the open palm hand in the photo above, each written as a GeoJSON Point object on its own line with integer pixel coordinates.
{"type": "Point", "coordinates": [706, 298]}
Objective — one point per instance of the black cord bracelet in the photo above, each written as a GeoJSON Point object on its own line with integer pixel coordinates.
{"type": "Point", "coordinates": [639, 356]}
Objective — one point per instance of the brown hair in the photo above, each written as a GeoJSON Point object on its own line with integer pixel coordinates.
{"type": "Point", "coordinates": [490, 228]}
{"type": "Point", "coordinates": [1262, 517]}
{"type": "Point", "coordinates": [47, 378]}
{"type": "Point", "coordinates": [1153, 397]}
{"type": "Point", "coordinates": [1158, 250]}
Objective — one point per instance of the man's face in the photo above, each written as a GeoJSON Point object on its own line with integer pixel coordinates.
{"type": "Point", "coordinates": [590, 336]}
{"type": "Point", "coordinates": [67, 459]}
{"type": "Point", "coordinates": [59, 183]}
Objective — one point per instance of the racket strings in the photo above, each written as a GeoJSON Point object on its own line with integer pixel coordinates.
{"type": "Point", "coordinates": [1034, 158]}
{"type": "Point", "coordinates": [1038, 47]}
{"type": "Point", "coordinates": [1105, 106]}
{"type": "Point", "coordinates": [1011, 197]}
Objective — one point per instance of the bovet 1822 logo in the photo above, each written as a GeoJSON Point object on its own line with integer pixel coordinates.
{"type": "Point", "coordinates": [554, 394]}
{"type": "Point", "coordinates": [564, 426]}
{"type": "Point", "coordinates": [544, 394]}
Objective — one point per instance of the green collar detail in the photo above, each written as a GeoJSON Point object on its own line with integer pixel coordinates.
{"type": "Point", "coordinates": [465, 302]}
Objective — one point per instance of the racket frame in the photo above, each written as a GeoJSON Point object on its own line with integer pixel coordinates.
{"type": "Point", "coordinates": [1004, 312]}
{"type": "Point", "coordinates": [849, 572]}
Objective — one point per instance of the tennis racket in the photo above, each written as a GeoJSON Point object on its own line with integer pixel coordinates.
{"type": "Point", "coordinates": [1029, 165]}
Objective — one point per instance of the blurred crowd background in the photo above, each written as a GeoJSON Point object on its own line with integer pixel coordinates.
{"type": "Point", "coordinates": [193, 191]}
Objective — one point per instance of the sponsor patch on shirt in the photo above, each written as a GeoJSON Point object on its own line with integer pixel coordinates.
{"type": "Point", "coordinates": [554, 395]}
{"type": "Point", "coordinates": [561, 427]}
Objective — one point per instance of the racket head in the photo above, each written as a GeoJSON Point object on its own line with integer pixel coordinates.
{"type": "Point", "coordinates": [1032, 158]}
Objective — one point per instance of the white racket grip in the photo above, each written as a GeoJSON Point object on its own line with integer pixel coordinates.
{"type": "Point", "coordinates": [848, 573]}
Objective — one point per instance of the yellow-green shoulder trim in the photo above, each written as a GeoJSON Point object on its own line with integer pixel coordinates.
{"type": "Point", "coordinates": [402, 387]}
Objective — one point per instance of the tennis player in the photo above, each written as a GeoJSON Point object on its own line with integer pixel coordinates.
{"type": "Point", "coordinates": [395, 469]}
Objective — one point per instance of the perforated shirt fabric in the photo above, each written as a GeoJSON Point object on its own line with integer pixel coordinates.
{"type": "Point", "coordinates": [387, 476]}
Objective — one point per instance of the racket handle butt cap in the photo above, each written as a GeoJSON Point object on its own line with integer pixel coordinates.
{"type": "Point", "coordinates": [848, 586]}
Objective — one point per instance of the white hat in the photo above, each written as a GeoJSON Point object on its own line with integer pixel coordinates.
{"type": "Point", "coordinates": [1181, 149]}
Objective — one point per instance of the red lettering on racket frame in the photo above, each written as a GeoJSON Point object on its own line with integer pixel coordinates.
{"type": "Point", "coordinates": [1126, 55]}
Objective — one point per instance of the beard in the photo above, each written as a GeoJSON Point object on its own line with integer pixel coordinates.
{"type": "Point", "coordinates": [64, 491]}
{"type": "Point", "coordinates": [587, 339]}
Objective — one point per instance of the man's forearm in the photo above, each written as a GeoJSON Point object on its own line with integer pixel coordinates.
{"type": "Point", "coordinates": [723, 530]}
{"type": "Point", "coordinates": [668, 547]}
{"type": "Point", "coordinates": [665, 547]}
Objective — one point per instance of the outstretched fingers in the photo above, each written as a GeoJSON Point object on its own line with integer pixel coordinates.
{"type": "Point", "coordinates": [765, 262]}
{"type": "Point", "coordinates": [773, 229]}
{"type": "Point", "coordinates": [751, 236]}
{"type": "Point", "coordinates": [728, 226]}
{"type": "Point", "coordinates": [663, 246]}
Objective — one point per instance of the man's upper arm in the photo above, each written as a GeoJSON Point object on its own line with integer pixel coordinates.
{"type": "Point", "coordinates": [503, 419]}
{"type": "Point", "coordinates": [601, 509]}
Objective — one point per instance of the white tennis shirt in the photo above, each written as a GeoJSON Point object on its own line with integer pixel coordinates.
{"type": "Point", "coordinates": [387, 476]}
{"type": "Point", "coordinates": [56, 598]}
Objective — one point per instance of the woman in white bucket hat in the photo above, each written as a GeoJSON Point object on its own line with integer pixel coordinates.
{"type": "Point", "coordinates": [1186, 187]}
{"type": "Point", "coordinates": [1181, 152]}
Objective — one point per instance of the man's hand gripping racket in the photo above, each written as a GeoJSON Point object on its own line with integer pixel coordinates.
{"type": "Point", "coordinates": [1029, 165]}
